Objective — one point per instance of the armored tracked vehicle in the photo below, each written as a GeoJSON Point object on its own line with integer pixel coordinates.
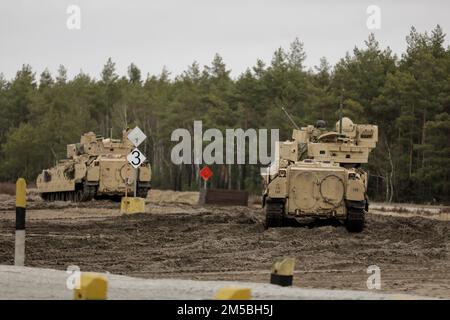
{"type": "Point", "coordinates": [94, 167]}
{"type": "Point", "coordinates": [318, 175]}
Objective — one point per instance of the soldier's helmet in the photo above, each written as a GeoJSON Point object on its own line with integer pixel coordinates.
{"type": "Point", "coordinates": [320, 124]}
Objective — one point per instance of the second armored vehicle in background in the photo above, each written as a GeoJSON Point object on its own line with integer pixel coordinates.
{"type": "Point", "coordinates": [318, 175]}
{"type": "Point", "coordinates": [94, 167]}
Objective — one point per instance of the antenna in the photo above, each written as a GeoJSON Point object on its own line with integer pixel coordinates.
{"type": "Point", "coordinates": [290, 118]}
{"type": "Point", "coordinates": [340, 113]}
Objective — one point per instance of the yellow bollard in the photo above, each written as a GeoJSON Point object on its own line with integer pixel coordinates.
{"type": "Point", "coordinates": [21, 203]}
{"type": "Point", "coordinates": [233, 293]}
{"type": "Point", "coordinates": [132, 205]}
{"type": "Point", "coordinates": [21, 193]}
{"type": "Point", "coordinates": [92, 286]}
{"type": "Point", "coordinates": [283, 272]}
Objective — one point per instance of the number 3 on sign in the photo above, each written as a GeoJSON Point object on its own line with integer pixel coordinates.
{"type": "Point", "coordinates": [136, 158]}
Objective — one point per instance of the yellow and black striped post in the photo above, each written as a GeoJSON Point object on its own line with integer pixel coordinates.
{"type": "Point", "coordinates": [21, 202]}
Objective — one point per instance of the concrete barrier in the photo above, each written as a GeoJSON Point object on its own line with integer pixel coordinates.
{"type": "Point", "coordinates": [92, 286]}
{"type": "Point", "coordinates": [283, 272]}
{"type": "Point", "coordinates": [131, 205]}
{"type": "Point", "coordinates": [233, 293]}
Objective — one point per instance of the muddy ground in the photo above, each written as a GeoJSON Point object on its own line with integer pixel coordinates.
{"type": "Point", "coordinates": [177, 239]}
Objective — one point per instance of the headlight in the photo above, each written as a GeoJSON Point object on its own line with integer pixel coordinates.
{"type": "Point", "coordinates": [282, 173]}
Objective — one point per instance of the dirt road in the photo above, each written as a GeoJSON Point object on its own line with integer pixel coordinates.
{"type": "Point", "coordinates": [173, 240]}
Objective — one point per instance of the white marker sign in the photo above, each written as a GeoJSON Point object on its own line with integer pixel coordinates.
{"type": "Point", "coordinates": [136, 158]}
{"type": "Point", "coordinates": [136, 136]}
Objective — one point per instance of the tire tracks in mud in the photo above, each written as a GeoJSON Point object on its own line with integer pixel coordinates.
{"type": "Point", "coordinates": [230, 243]}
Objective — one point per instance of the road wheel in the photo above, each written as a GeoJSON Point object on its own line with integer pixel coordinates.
{"type": "Point", "coordinates": [78, 195]}
{"type": "Point", "coordinates": [88, 192]}
{"type": "Point", "coordinates": [274, 213]}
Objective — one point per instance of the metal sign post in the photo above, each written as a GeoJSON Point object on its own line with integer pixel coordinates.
{"type": "Point", "coordinates": [136, 157]}
{"type": "Point", "coordinates": [135, 181]}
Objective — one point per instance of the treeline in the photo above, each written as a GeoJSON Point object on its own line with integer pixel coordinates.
{"type": "Point", "coordinates": [408, 97]}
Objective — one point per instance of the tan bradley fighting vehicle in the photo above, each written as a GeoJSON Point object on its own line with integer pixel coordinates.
{"type": "Point", "coordinates": [94, 167]}
{"type": "Point", "coordinates": [318, 175]}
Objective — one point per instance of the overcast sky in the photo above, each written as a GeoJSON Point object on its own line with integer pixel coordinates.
{"type": "Point", "coordinates": [157, 33]}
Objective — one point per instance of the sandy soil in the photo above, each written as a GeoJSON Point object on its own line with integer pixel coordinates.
{"type": "Point", "coordinates": [181, 240]}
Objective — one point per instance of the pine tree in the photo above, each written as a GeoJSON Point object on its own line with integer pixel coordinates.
{"type": "Point", "coordinates": [134, 74]}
